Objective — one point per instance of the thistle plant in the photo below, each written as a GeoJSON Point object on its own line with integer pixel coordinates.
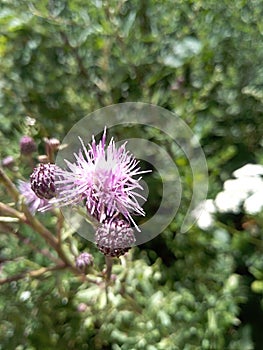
{"type": "Point", "coordinates": [103, 179]}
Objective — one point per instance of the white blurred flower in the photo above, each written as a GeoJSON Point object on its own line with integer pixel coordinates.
{"type": "Point", "coordinates": [254, 203]}
{"type": "Point", "coordinates": [30, 121]}
{"type": "Point", "coordinates": [249, 170]}
{"type": "Point", "coordinates": [25, 295]}
{"type": "Point", "coordinates": [203, 214]}
{"type": "Point", "coordinates": [243, 191]}
{"type": "Point", "coordinates": [227, 201]}
{"type": "Point", "coordinates": [243, 186]}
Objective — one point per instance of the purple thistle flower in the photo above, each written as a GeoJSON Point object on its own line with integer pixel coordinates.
{"type": "Point", "coordinates": [102, 176]}
{"type": "Point", "coordinates": [33, 202]}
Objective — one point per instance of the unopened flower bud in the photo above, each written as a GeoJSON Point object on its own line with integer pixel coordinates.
{"type": "Point", "coordinates": [27, 145]}
{"type": "Point", "coordinates": [83, 261]}
{"type": "Point", "coordinates": [8, 162]}
{"type": "Point", "coordinates": [114, 238]}
{"type": "Point", "coordinates": [43, 181]}
{"type": "Point", "coordinates": [52, 143]}
{"type": "Point", "coordinates": [82, 307]}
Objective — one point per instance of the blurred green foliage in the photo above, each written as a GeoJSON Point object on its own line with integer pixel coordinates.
{"type": "Point", "coordinates": [61, 60]}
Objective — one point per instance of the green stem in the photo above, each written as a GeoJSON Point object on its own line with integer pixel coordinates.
{"type": "Point", "coordinates": [257, 242]}
{"type": "Point", "coordinates": [109, 263]}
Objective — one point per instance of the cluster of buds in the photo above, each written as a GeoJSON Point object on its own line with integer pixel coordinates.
{"type": "Point", "coordinates": [103, 179]}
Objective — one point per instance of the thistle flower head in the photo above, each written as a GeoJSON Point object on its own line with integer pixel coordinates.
{"type": "Point", "coordinates": [33, 202]}
{"type": "Point", "coordinates": [115, 237]}
{"type": "Point", "coordinates": [43, 181]}
{"type": "Point", "coordinates": [104, 177]}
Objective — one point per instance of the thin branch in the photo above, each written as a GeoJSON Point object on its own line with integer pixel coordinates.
{"type": "Point", "coordinates": [47, 235]}
{"type": "Point", "coordinates": [257, 242]}
{"type": "Point", "coordinates": [6, 209]}
{"type": "Point", "coordinates": [7, 228]}
{"type": "Point", "coordinates": [32, 274]}
{"type": "Point", "coordinates": [28, 219]}
{"type": "Point", "coordinates": [4, 179]}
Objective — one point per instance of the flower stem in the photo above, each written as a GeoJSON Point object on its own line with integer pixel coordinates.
{"type": "Point", "coordinates": [109, 263]}
{"type": "Point", "coordinates": [4, 179]}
